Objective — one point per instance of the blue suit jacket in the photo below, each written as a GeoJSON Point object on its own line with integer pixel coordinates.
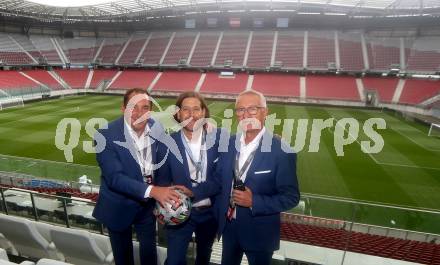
{"type": "Point", "coordinates": [176, 171]}
{"type": "Point", "coordinates": [122, 191]}
{"type": "Point", "coordinates": [272, 179]}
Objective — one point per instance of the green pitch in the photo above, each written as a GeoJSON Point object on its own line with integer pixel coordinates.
{"type": "Point", "coordinates": [406, 172]}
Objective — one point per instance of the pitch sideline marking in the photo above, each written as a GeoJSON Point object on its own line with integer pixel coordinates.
{"type": "Point", "coordinates": [3, 156]}
{"type": "Point", "coordinates": [385, 163]}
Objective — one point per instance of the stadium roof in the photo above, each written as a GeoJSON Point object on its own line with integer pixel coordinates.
{"type": "Point", "coordinates": [108, 10]}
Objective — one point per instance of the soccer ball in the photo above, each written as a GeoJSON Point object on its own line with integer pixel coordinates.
{"type": "Point", "coordinates": [174, 216]}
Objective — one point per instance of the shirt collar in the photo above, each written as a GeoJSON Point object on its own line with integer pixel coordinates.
{"type": "Point", "coordinates": [255, 141]}
{"type": "Point", "coordinates": [197, 141]}
{"type": "Point", "coordinates": [133, 134]}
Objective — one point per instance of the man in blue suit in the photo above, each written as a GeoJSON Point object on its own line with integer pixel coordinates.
{"type": "Point", "coordinates": [258, 182]}
{"type": "Point", "coordinates": [127, 193]}
{"type": "Point", "coordinates": [194, 175]}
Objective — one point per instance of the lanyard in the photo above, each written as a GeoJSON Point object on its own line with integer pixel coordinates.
{"type": "Point", "coordinates": [198, 165]}
{"type": "Point", "coordinates": [142, 155]}
{"type": "Point", "coordinates": [240, 171]}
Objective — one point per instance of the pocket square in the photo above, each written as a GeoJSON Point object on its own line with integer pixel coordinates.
{"type": "Point", "coordinates": [215, 160]}
{"type": "Point", "coordinates": [262, 172]}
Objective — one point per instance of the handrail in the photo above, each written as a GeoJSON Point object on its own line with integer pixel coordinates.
{"type": "Point", "coordinates": [320, 220]}
{"type": "Point", "coordinates": [361, 202]}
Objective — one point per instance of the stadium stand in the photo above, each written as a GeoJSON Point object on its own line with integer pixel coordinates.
{"type": "Point", "coordinates": [81, 247]}
{"type": "Point", "coordinates": [424, 55]}
{"type": "Point", "coordinates": [14, 80]}
{"type": "Point", "coordinates": [44, 77]}
{"type": "Point", "coordinates": [383, 53]}
{"type": "Point", "coordinates": [350, 51]}
{"type": "Point", "coordinates": [79, 50]}
{"type": "Point", "coordinates": [232, 48]}
{"type": "Point", "coordinates": [74, 246]}
{"type": "Point", "coordinates": [290, 49]}
{"type": "Point", "coordinates": [132, 50]}
{"type": "Point", "coordinates": [332, 88]}
{"type": "Point", "coordinates": [204, 49]}
{"type": "Point", "coordinates": [6, 246]}
{"type": "Point", "coordinates": [216, 84]}
{"type": "Point", "coordinates": [26, 239]}
{"type": "Point", "coordinates": [385, 87]}
{"type": "Point", "coordinates": [434, 105]}
{"type": "Point", "coordinates": [421, 54]}
{"type": "Point", "coordinates": [155, 48]}
{"type": "Point", "coordinates": [177, 81]}
{"type": "Point", "coordinates": [47, 49]}
{"type": "Point", "coordinates": [52, 188]}
{"type": "Point", "coordinates": [180, 48]}
{"type": "Point", "coordinates": [11, 53]}
{"type": "Point", "coordinates": [74, 78]}
{"type": "Point", "coordinates": [278, 85]}
{"type": "Point", "coordinates": [109, 50]}
{"type": "Point", "coordinates": [260, 51]}
{"type": "Point", "coordinates": [306, 61]}
{"type": "Point", "coordinates": [133, 78]}
{"type": "Point", "coordinates": [321, 49]}
{"type": "Point", "coordinates": [416, 91]}
{"type": "Point", "coordinates": [4, 260]}
{"type": "Point", "coordinates": [27, 45]}
{"type": "Point", "coordinates": [100, 76]}
{"type": "Point", "coordinates": [377, 245]}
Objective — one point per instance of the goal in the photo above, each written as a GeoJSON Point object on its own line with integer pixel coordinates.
{"type": "Point", "coordinates": [11, 102]}
{"type": "Point", "coordinates": [434, 130]}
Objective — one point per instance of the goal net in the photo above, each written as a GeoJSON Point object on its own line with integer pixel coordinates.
{"type": "Point", "coordinates": [434, 130]}
{"type": "Point", "coordinates": [11, 102]}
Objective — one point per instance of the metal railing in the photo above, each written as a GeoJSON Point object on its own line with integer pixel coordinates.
{"type": "Point", "coordinates": [350, 216]}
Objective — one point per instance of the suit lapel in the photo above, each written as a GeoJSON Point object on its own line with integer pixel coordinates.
{"type": "Point", "coordinates": [258, 159]}
{"type": "Point", "coordinates": [230, 165]}
{"type": "Point", "coordinates": [127, 151]}
{"type": "Point", "coordinates": [211, 154]}
{"type": "Point", "coordinates": [259, 156]}
{"type": "Point", "coordinates": [182, 150]}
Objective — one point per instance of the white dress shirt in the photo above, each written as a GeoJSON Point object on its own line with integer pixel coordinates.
{"type": "Point", "coordinates": [195, 144]}
{"type": "Point", "coordinates": [245, 152]}
{"type": "Point", "coordinates": [247, 149]}
{"type": "Point", "coordinates": [143, 157]}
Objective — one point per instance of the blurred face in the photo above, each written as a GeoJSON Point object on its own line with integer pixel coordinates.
{"type": "Point", "coordinates": [137, 111]}
{"type": "Point", "coordinates": [191, 111]}
{"type": "Point", "coordinates": [250, 112]}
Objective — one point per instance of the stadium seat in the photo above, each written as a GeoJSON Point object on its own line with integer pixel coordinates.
{"type": "Point", "coordinates": [321, 49]}
{"type": "Point", "coordinates": [26, 239]}
{"type": "Point", "coordinates": [110, 50]}
{"type": "Point", "coordinates": [82, 247]}
{"type": "Point", "coordinates": [133, 48]}
{"type": "Point", "coordinates": [177, 81]}
{"type": "Point", "coordinates": [133, 78]}
{"type": "Point", "coordinates": [180, 48]}
{"type": "Point", "coordinates": [278, 85]}
{"type": "Point", "coordinates": [5, 262]}
{"type": "Point", "coordinates": [161, 254]}
{"type": "Point", "coordinates": [232, 47]}
{"type": "Point", "coordinates": [156, 47]}
{"type": "Point", "coordinates": [3, 254]}
{"type": "Point", "coordinates": [290, 49]}
{"type": "Point", "coordinates": [51, 262]}
{"type": "Point", "coordinates": [350, 48]}
{"type": "Point", "coordinates": [260, 50]}
{"type": "Point", "coordinates": [7, 245]}
{"type": "Point", "coordinates": [205, 48]}
{"type": "Point", "coordinates": [100, 76]}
